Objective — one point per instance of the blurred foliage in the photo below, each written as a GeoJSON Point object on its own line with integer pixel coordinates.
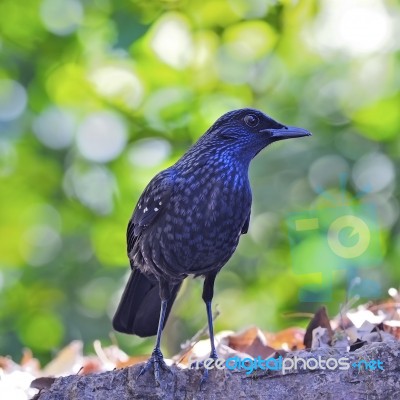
{"type": "Point", "coordinates": [96, 96]}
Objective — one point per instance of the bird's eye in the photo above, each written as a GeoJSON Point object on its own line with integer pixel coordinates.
{"type": "Point", "coordinates": [251, 120]}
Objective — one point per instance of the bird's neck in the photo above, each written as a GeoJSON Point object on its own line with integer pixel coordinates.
{"type": "Point", "coordinates": [216, 167]}
{"type": "Point", "coordinates": [216, 157]}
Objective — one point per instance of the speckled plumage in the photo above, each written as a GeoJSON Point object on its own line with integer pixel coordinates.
{"type": "Point", "coordinates": [205, 204]}
{"type": "Point", "coordinates": [190, 217]}
{"type": "Point", "coordinates": [197, 227]}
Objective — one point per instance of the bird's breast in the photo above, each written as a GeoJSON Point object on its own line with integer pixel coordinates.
{"type": "Point", "coordinates": [203, 221]}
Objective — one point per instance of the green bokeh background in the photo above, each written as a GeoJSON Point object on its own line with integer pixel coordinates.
{"type": "Point", "coordinates": [96, 96]}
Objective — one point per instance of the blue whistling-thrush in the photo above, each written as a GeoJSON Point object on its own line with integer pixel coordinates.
{"type": "Point", "coordinates": [189, 219]}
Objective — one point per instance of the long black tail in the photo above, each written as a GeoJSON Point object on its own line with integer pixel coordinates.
{"type": "Point", "coordinates": [139, 309]}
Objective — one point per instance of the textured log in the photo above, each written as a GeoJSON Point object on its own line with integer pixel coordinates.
{"type": "Point", "coordinates": [222, 384]}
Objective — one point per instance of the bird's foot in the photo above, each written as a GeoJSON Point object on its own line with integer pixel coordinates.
{"type": "Point", "coordinates": [157, 362]}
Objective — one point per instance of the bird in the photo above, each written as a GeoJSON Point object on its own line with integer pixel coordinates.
{"type": "Point", "coordinates": [188, 222]}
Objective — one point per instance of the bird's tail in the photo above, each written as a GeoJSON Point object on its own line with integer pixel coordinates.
{"type": "Point", "coordinates": [139, 309]}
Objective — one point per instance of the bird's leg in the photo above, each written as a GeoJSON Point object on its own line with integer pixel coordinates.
{"type": "Point", "coordinates": [157, 359]}
{"type": "Point", "coordinates": [208, 293]}
{"type": "Point", "coordinates": [213, 353]}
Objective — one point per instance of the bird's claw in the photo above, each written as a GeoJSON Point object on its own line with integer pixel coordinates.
{"type": "Point", "coordinates": [204, 378]}
{"type": "Point", "coordinates": [157, 361]}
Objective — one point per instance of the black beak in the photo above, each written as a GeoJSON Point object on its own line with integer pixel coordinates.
{"type": "Point", "coordinates": [286, 132]}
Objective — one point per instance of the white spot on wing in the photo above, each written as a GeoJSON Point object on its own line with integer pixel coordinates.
{"type": "Point", "coordinates": [156, 209]}
{"type": "Point", "coordinates": [145, 210]}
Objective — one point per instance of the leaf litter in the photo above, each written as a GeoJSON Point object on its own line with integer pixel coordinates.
{"type": "Point", "coordinates": [348, 331]}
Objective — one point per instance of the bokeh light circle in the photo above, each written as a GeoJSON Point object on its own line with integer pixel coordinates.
{"type": "Point", "coordinates": [13, 99]}
{"type": "Point", "coordinates": [61, 17]}
{"type": "Point", "coordinates": [149, 152]}
{"type": "Point", "coordinates": [101, 137]}
{"type": "Point", "coordinates": [55, 128]}
{"type": "Point", "coordinates": [373, 172]}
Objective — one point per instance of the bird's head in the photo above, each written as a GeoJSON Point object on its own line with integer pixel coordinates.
{"type": "Point", "coordinates": [248, 131]}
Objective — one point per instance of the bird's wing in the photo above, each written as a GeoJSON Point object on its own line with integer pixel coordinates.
{"type": "Point", "coordinates": [151, 205]}
{"type": "Point", "coordinates": [245, 227]}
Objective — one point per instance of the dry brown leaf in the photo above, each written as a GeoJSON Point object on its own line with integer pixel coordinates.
{"type": "Point", "coordinates": [363, 315]}
{"type": "Point", "coordinates": [357, 345]}
{"type": "Point", "coordinates": [131, 361]}
{"type": "Point", "coordinates": [91, 365]}
{"type": "Point", "coordinates": [42, 383]}
{"type": "Point", "coordinates": [8, 365]}
{"type": "Point", "coordinates": [320, 338]}
{"type": "Point", "coordinates": [109, 356]}
{"type": "Point", "coordinates": [352, 334]}
{"type": "Point", "coordinates": [320, 320]}
{"type": "Point", "coordinates": [340, 340]}
{"type": "Point", "coordinates": [365, 330]}
{"type": "Point", "coordinates": [243, 339]}
{"type": "Point", "coordinates": [287, 339]}
{"type": "Point", "coordinates": [392, 327]}
{"type": "Point", "coordinates": [252, 342]}
{"type": "Point", "coordinates": [28, 362]}
{"type": "Point", "coordinates": [201, 349]}
{"type": "Point", "coordinates": [26, 356]}
{"type": "Point", "coordinates": [280, 353]}
{"type": "Point", "coordinates": [67, 361]}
